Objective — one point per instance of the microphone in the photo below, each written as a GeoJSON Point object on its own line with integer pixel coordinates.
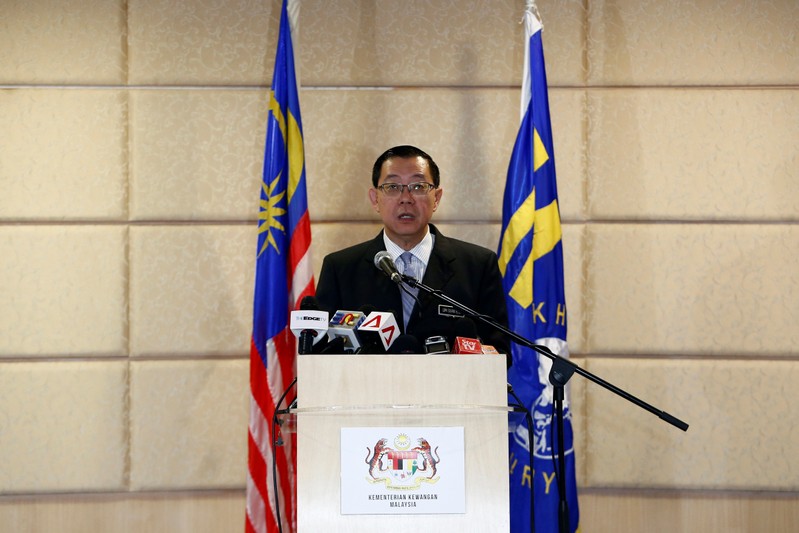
{"type": "Point", "coordinates": [406, 344]}
{"type": "Point", "coordinates": [344, 324]}
{"type": "Point", "coordinates": [436, 345]}
{"type": "Point", "coordinates": [370, 341]}
{"type": "Point", "coordinates": [384, 262]}
{"type": "Point", "coordinates": [466, 341]}
{"type": "Point", "coordinates": [381, 329]}
{"type": "Point", "coordinates": [335, 347]}
{"type": "Point", "coordinates": [309, 324]}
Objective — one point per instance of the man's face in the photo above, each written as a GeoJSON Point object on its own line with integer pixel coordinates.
{"type": "Point", "coordinates": [406, 216]}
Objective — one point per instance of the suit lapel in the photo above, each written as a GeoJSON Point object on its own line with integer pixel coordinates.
{"type": "Point", "coordinates": [438, 273]}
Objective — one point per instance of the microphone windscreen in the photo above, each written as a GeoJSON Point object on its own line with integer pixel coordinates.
{"type": "Point", "coordinates": [309, 303]}
{"type": "Point", "coordinates": [465, 327]}
{"type": "Point", "coordinates": [367, 309]}
{"type": "Point", "coordinates": [406, 344]}
{"type": "Point", "coordinates": [335, 346]}
{"type": "Point", "coordinates": [385, 263]}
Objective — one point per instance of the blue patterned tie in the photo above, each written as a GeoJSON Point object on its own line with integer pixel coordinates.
{"type": "Point", "coordinates": [410, 267]}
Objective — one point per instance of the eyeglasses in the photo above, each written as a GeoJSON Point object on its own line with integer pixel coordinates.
{"type": "Point", "coordinates": [420, 188]}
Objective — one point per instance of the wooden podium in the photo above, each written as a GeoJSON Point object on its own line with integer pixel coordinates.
{"type": "Point", "coordinates": [363, 391]}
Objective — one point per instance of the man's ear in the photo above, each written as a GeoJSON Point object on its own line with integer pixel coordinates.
{"type": "Point", "coordinates": [373, 199]}
{"type": "Point", "coordinates": [437, 197]}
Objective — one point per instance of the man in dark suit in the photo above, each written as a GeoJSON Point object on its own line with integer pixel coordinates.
{"type": "Point", "coordinates": [405, 194]}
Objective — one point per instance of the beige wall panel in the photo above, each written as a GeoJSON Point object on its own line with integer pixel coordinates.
{"type": "Point", "coordinates": [423, 42]}
{"type": "Point", "coordinates": [63, 291]}
{"type": "Point", "coordinates": [685, 42]}
{"type": "Point", "coordinates": [600, 512]}
{"type": "Point", "coordinates": [188, 424]}
{"type": "Point", "coordinates": [203, 42]}
{"type": "Point", "coordinates": [576, 395]}
{"type": "Point", "coordinates": [191, 290]}
{"type": "Point", "coordinates": [63, 426]}
{"type": "Point", "coordinates": [62, 41]}
{"type": "Point", "coordinates": [482, 234]}
{"type": "Point", "coordinates": [63, 154]}
{"type": "Point", "coordinates": [469, 133]}
{"type": "Point", "coordinates": [198, 512]}
{"type": "Point", "coordinates": [692, 288]}
{"type": "Point", "coordinates": [743, 425]}
{"type": "Point", "coordinates": [687, 512]}
{"type": "Point", "coordinates": [329, 237]}
{"type": "Point", "coordinates": [701, 154]}
{"type": "Point", "coordinates": [575, 282]}
{"type": "Point", "coordinates": [197, 154]}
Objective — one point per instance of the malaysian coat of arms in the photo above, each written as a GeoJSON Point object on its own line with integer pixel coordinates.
{"type": "Point", "coordinates": [402, 467]}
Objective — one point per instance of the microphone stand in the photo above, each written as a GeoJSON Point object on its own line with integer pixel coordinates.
{"type": "Point", "coordinates": [562, 370]}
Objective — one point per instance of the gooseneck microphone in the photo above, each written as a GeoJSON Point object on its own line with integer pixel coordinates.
{"type": "Point", "coordinates": [384, 262]}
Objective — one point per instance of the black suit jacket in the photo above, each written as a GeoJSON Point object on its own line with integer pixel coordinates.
{"type": "Point", "coordinates": [463, 271]}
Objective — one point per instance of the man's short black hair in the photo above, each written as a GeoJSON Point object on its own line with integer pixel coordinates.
{"type": "Point", "coordinates": [404, 151]}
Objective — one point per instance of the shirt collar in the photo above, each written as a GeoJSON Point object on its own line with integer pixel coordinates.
{"type": "Point", "coordinates": [422, 250]}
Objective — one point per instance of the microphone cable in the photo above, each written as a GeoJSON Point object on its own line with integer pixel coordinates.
{"type": "Point", "coordinates": [417, 306]}
{"type": "Point", "coordinates": [278, 441]}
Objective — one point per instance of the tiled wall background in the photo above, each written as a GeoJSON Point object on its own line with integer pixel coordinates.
{"type": "Point", "coordinates": [131, 145]}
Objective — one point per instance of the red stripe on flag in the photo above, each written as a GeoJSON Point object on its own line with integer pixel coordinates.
{"type": "Point", "coordinates": [298, 247]}
{"type": "Point", "coordinates": [300, 242]}
{"type": "Point", "coordinates": [258, 384]}
{"type": "Point", "coordinates": [285, 346]}
{"type": "Point", "coordinates": [258, 464]}
{"type": "Point", "coordinates": [307, 291]}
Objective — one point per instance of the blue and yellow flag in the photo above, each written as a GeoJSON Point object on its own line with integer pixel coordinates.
{"type": "Point", "coordinates": [531, 262]}
{"type": "Point", "coordinates": [283, 276]}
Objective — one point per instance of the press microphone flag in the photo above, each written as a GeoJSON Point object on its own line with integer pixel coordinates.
{"type": "Point", "coordinates": [467, 345]}
{"type": "Point", "coordinates": [466, 340]}
{"type": "Point", "coordinates": [308, 324]}
{"type": "Point", "coordinates": [344, 324]}
{"type": "Point", "coordinates": [384, 324]}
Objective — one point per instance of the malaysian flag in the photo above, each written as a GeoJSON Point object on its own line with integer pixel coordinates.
{"type": "Point", "coordinates": [283, 276]}
{"type": "Point", "coordinates": [531, 262]}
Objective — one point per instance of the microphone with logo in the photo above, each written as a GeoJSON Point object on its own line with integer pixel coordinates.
{"type": "Point", "coordinates": [370, 342]}
{"type": "Point", "coordinates": [309, 324]}
{"type": "Point", "coordinates": [344, 325]}
{"type": "Point", "coordinates": [466, 340]}
{"type": "Point", "coordinates": [378, 332]}
{"type": "Point", "coordinates": [436, 345]}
